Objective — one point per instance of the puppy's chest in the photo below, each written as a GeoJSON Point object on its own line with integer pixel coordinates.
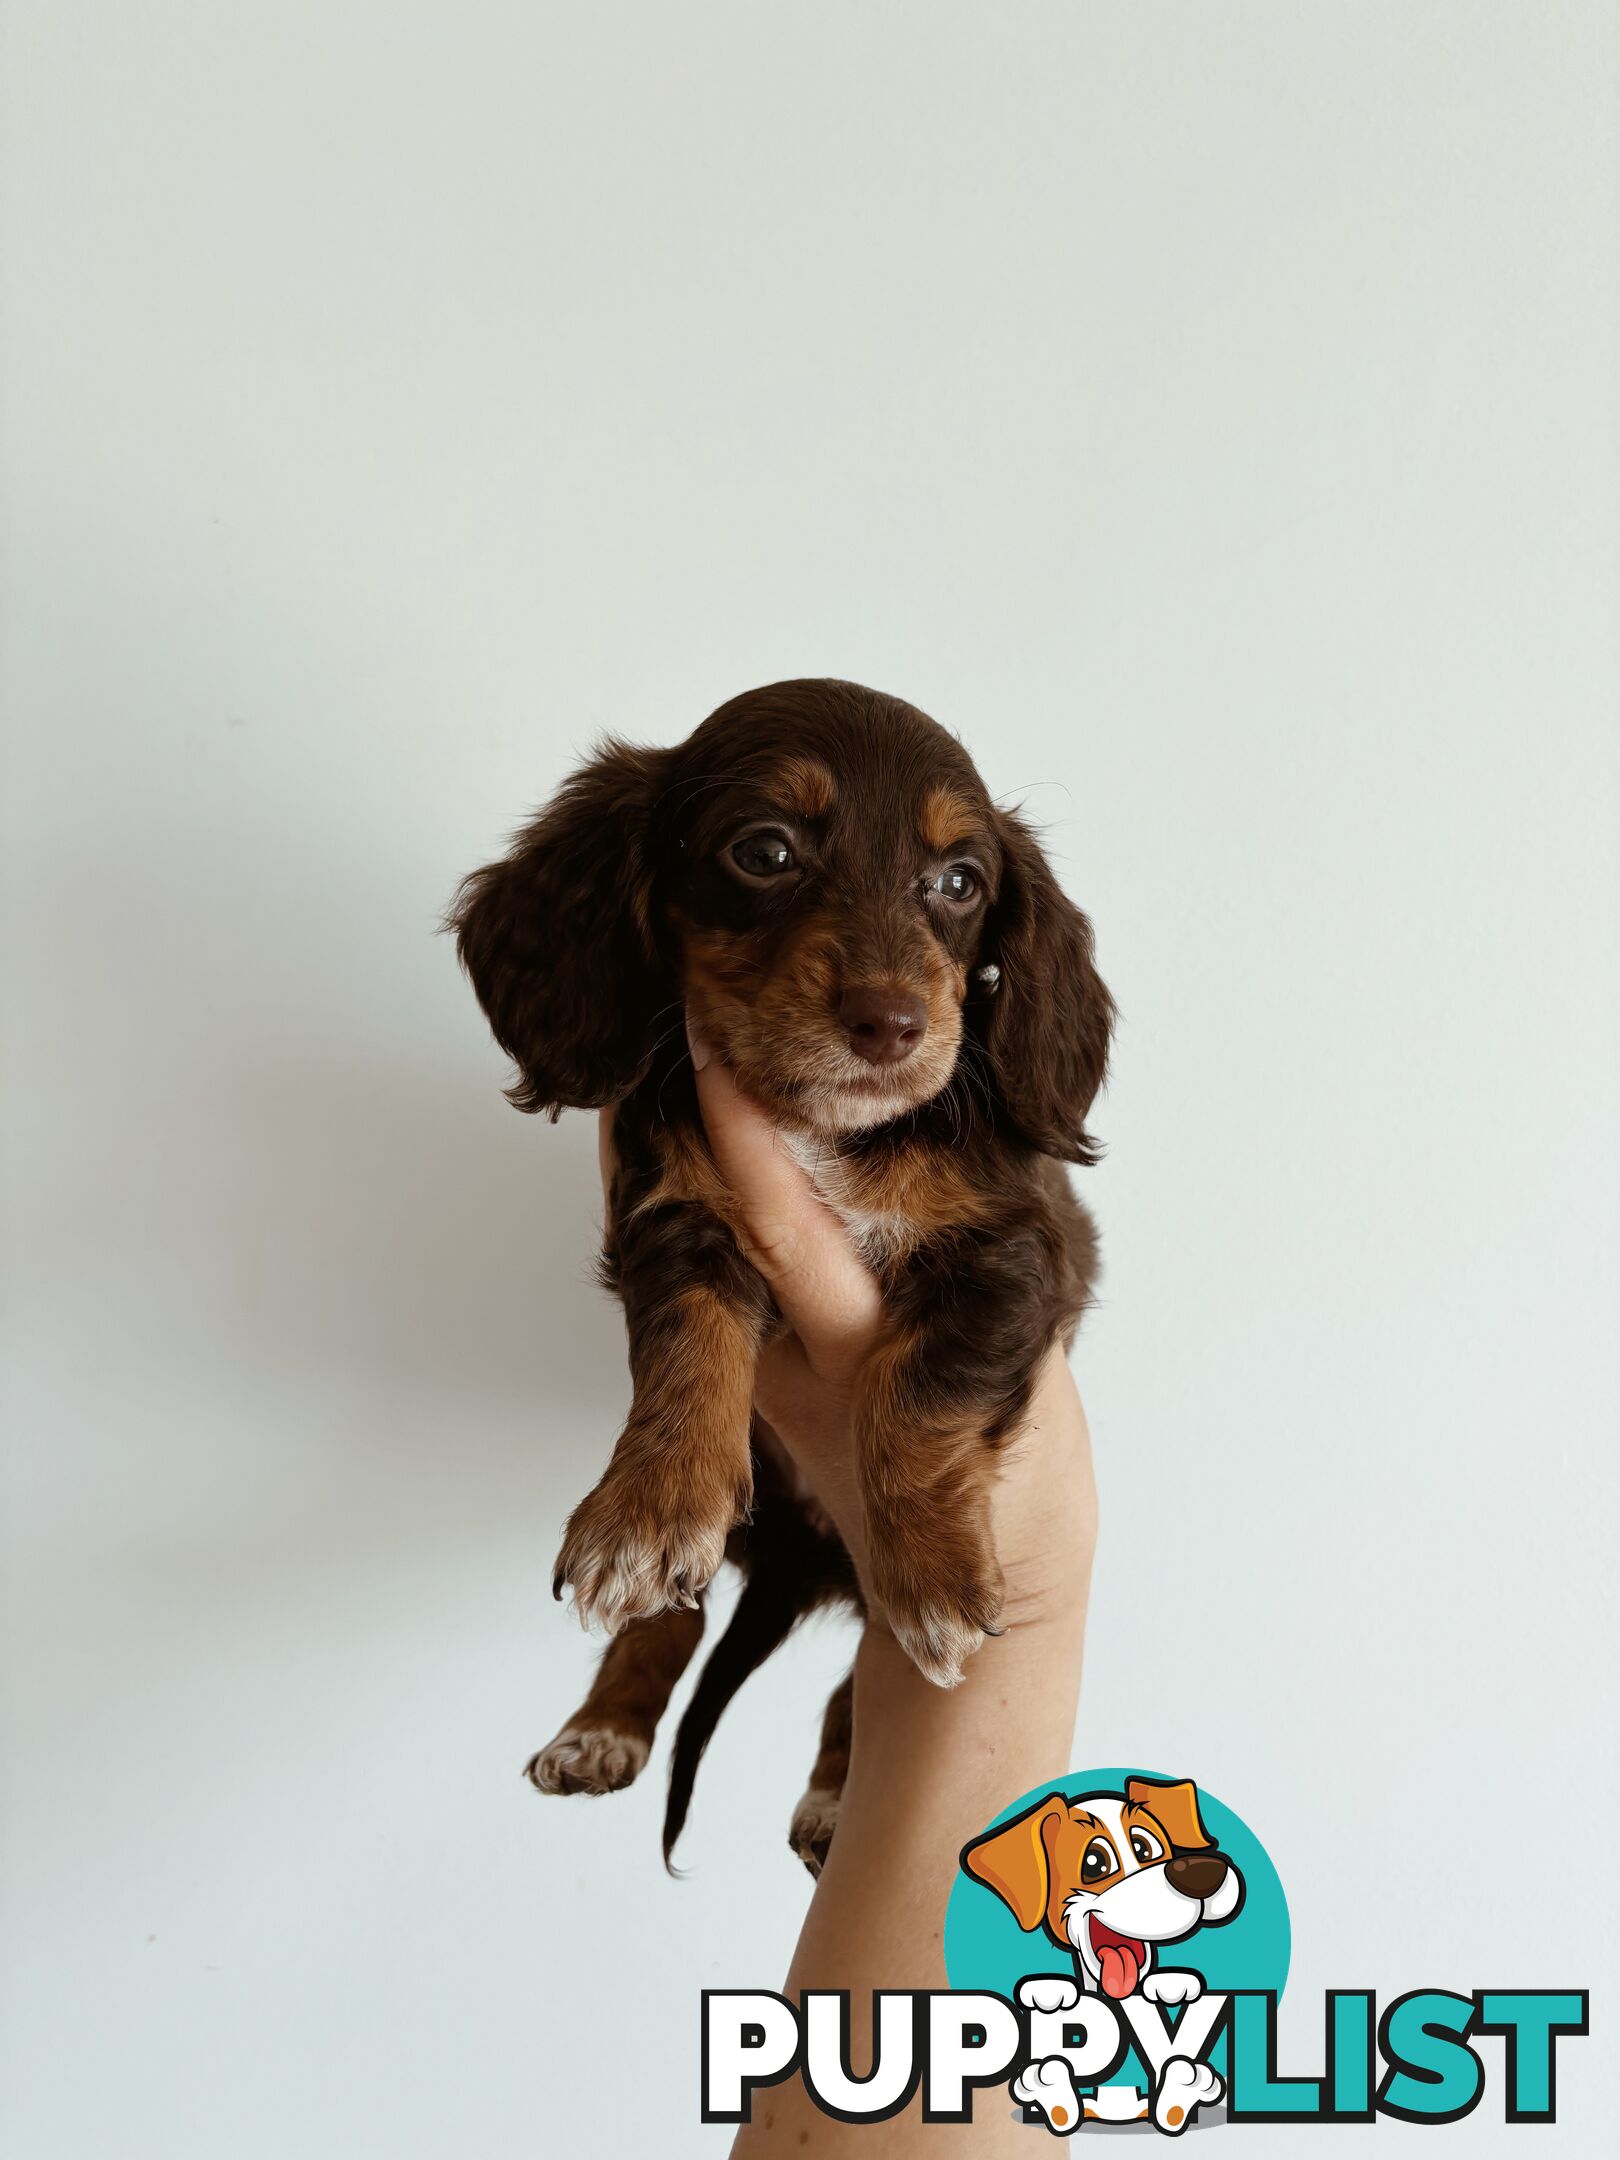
{"type": "Point", "coordinates": [887, 1211]}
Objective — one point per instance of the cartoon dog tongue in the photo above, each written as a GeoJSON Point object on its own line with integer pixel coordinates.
{"type": "Point", "coordinates": [1121, 1960]}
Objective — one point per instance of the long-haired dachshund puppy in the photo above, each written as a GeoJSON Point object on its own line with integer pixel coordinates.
{"type": "Point", "coordinates": [819, 879]}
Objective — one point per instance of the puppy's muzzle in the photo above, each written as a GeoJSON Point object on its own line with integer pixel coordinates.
{"type": "Point", "coordinates": [1196, 1875]}
{"type": "Point", "coordinates": [883, 1026]}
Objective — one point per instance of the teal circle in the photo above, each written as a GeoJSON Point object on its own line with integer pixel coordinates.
{"type": "Point", "coordinates": [986, 1948]}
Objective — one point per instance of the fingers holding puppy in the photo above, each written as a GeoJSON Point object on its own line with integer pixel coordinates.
{"type": "Point", "coordinates": [886, 1408]}
{"type": "Point", "coordinates": [827, 1294]}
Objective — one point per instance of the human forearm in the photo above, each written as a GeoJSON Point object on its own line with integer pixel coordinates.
{"type": "Point", "coordinates": [930, 1767]}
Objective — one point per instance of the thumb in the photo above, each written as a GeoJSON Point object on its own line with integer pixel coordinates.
{"type": "Point", "coordinates": [827, 1294]}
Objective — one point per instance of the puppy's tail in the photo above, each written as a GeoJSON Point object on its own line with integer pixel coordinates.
{"type": "Point", "coordinates": [772, 1599]}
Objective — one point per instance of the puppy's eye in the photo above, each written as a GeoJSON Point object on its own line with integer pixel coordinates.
{"type": "Point", "coordinates": [959, 883]}
{"type": "Point", "coordinates": [764, 855]}
{"type": "Point", "coordinates": [1146, 1846]}
{"type": "Point", "coordinates": [1098, 1861]}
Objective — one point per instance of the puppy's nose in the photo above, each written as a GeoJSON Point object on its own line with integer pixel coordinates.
{"type": "Point", "coordinates": [1198, 1874]}
{"type": "Point", "coordinates": [883, 1026]}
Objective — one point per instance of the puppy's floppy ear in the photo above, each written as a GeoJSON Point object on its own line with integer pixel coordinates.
{"type": "Point", "coordinates": [1176, 1806]}
{"type": "Point", "coordinates": [1016, 1862]}
{"type": "Point", "coordinates": [1048, 1026]}
{"type": "Point", "coordinates": [561, 940]}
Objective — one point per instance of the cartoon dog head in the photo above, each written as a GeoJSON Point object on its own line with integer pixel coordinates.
{"type": "Point", "coordinates": [1110, 1875]}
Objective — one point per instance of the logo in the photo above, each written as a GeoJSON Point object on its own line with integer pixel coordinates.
{"type": "Point", "coordinates": [1120, 1912]}
{"type": "Point", "coordinates": [1116, 1946]}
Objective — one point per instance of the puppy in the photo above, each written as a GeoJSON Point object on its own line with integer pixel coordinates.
{"type": "Point", "coordinates": [819, 880]}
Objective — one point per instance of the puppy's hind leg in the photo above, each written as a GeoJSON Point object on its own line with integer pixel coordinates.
{"type": "Point", "coordinates": [816, 1816]}
{"type": "Point", "coordinates": [605, 1744]}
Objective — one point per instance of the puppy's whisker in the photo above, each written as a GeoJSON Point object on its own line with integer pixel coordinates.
{"type": "Point", "coordinates": [1014, 797]}
{"type": "Point", "coordinates": [678, 795]}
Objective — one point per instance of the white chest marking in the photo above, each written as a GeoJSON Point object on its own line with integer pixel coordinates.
{"type": "Point", "coordinates": [877, 1235]}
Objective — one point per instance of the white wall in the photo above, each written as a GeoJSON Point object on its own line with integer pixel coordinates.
{"type": "Point", "coordinates": [1210, 413]}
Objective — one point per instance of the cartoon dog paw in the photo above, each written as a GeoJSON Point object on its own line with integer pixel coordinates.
{"type": "Point", "coordinates": [1049, 1992]}
{"type": "Point", "coordinates": [1049, 2086]}
{"type": "Point", "coordinates": [1172, 1987]}
{"type": "Point", "coordinates": [1183, 2088]}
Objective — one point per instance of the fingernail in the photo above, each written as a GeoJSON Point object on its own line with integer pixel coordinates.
{"type": "Point", "coordinates": [701, 1053]}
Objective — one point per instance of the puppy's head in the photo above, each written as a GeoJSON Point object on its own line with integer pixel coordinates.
{"type": "Point", "coordinates": [818, 875]}
{"type": "Point", "coordinates": [1110, 1875]}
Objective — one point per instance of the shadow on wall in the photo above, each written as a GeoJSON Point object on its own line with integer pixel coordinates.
{"type": "Point", "coordinates": [304, 1216]}
{"type": "Point", "coordinates": [410, 1230]}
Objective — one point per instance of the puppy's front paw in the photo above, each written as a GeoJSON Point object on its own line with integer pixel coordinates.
{"type": "Point", "coordinates": [939, 1623]}
{"type": "Point", "coordinates": [811, 1832]}
{"type": "Point", "coordinates": [623, 1560]}
{"type": "Point", "coordinates": [588, 1759]}
{"type": "Point", "coordinates": [938, 1640]}
{"type": "Point", "coordinates": [938, 1585]}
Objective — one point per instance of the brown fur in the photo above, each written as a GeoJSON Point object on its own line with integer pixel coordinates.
{"type": "Point", "coordinates": [816, 1816]}
{"type": "Point", "coordinates": [653, 1531]}
{"type": "Point", "coordinates": [624, 902]}
{"type": "Point", "coordinates": [608, 1738]}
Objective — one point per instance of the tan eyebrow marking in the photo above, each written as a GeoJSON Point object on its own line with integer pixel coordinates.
{"type": "Point", "coordinates": [946, 819]}
{"type": "Point", "coordinates": [806, 786]}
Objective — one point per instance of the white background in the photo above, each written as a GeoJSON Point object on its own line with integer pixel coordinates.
{"type": "Point", "coordinates": [1209, 412]}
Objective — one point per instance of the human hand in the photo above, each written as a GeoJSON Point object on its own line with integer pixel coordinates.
{"type": "Point", "coordinates": [928, 1767]}
{"type": "Point", "coordinates": [1043, 1502]}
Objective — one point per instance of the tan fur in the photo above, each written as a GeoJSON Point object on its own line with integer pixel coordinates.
{"type": "Point", "coordinates": [927, 1186]}
{"type": "Point", "coordinates": [688, 1173]}
{"type": "Point", "coordinates": [653, 1531]}
{"type": "Point", "coordinates": [702, 1378]}
{"type": "Point", "coordinates": [605, 1744]}
{"type": "Point", "coordinates": [926, 1476]}
{"type": "Point", "coordinates": [805, 786]}
{"type": "Point", "coordinates": [947, 820]}
{"type": "Point", "coordinates": [775, 1023]}
{"type": "Point", "coordinates": [816, 1816]}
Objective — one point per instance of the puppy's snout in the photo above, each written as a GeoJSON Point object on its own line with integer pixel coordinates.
{"type": "Point", "coordinates": [883, 1026]}
{"type": "Point", "coordinates": [1197, 1875]}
